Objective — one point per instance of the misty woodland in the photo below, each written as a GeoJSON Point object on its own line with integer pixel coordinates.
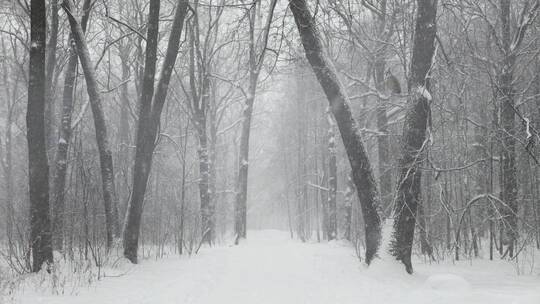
{"type": "Point", "coordinates": [270, 151]}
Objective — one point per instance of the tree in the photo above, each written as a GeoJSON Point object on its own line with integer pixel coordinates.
{"type": "Point", "coordinates": [255, 62]}
{"type": "Point", "coordinates": [362, 172]}
{"type": "Point", "coordinates": [510, 44]}
{"type": "Point", "coordinates": [102, 137]}
{"type": "Point", "coordinates": [414, 132]}
{"type": "Point", "coordinates": [64, 137]}
{"type": "Point", "coordinates": [150, 107]}
{"type": "Point", "coordinates": [38, 168]}
{"type": "Point", "coordinates": [332, 181]}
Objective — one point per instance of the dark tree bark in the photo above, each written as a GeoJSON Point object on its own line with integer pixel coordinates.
{"type": "Point", "coordinates": [414, 132]}
{"type": "Point", "coordinates": [507, 119]}
{"type": "Point", "coordinates": [150, 108]}
{"type": "Point", "coordinates": [61, 161]}
{"type": "Point", "coordinates": [339, 104]}
{"type": "Point", "coordinates": [38, 168]}
{"type": "Point", "coordinates": [102, 138]}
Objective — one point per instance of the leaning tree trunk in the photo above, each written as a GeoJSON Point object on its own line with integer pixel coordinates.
{"type": "Point", "coordinates": [102, 139]}
{"type": "Point", "coordinates": [38, 168]}
{"type": "Point", "coordinates": [149, 118]}
{"type": "Point", "coordinates": [61, 157]}
{"type": "Point", "coordinates": [339, 104]}
{"type": "Point", "coordinates": [414, 133]}
{"type": "Point", "coordinates": [144, 141]}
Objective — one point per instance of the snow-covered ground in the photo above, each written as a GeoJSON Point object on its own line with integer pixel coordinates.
{"type": "Point", "coordinates": [271, 268]}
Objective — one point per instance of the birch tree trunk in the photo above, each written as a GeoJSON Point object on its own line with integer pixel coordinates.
{"type": "Point", "coordinates": [339, 104]}
{"type": "Point", "coordinates": [38, 168]}
{"type": "Point", "coordinates": [414, 132]}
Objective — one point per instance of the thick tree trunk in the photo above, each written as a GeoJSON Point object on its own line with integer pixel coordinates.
{"type": "Point", "coordinates": [144, 141]}
{"type": "Point", "coordinates": [414, 133]}
{"type": "Point", "coordinates": [61, 157]}
{"type": "Point", "coordinates": [509, 186]}
{"type": "Point", "coordinates": [339, 105]}
{"type": "Point", "coordinates": [38, 168]}
{"type": "Point", "coordinates": [150, 109]}
{"type": "Point", "coordinates": [102, 138]}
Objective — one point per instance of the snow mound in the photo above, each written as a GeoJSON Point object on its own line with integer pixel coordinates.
{"type": "Point", "coordinates": [530, 299]}
{"type": "Point", "coordinates": [447, 282]}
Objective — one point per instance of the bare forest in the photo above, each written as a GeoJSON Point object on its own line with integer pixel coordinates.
{"type": "Point", "coordinates": [270, 151]}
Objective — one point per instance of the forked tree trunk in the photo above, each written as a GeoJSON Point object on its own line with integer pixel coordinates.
{"type": "Point", "coordinates": [102, 138]}
{"type": "Point", "coordinates": [414, 132]}
{"type": "Point", "coordinates": [339, 104]}
{"type": "Point", "coordinates": [38, 168]}
{"type": "Point", "coordinates": [150, 108]}
{"type": "Point", "coordinates": [61, 157]}
{"type": "Point", "coordinates": [144, 142]}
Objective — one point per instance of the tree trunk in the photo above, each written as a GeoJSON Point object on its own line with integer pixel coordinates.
{"type": "Point", "coordinates": [383, 145]}
{"type": "Point", "coordinates": [414, 133]}
{"type": "Point", "coordinates": [102, 138]}
{"type": "Point", "coordinates": [505, 91]}
{"type": "Point", "coordinates": [38, 168]}
{"type": "Point", "coordinates": [207, 215]}
{"type": "Point", "coordinates": [349, 193]}
{"type": "Point", "coordinates": [332, 182]}
{"type": "Point", "coordinates": [255, 64]}
{"type": "Point", "coordinates": [59, 182]}
{"type": "Point", "coordinates": [50, 109]}
{"type": "Point", "coordinates": [240, 218]}
{"type": "Point", "coordinates": [149, 118]}
{"type": "Point", "coordinates": [339, 105]}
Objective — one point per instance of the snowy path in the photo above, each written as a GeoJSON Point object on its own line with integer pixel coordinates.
{"type": "Point", "coordinates": [270, 268]}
